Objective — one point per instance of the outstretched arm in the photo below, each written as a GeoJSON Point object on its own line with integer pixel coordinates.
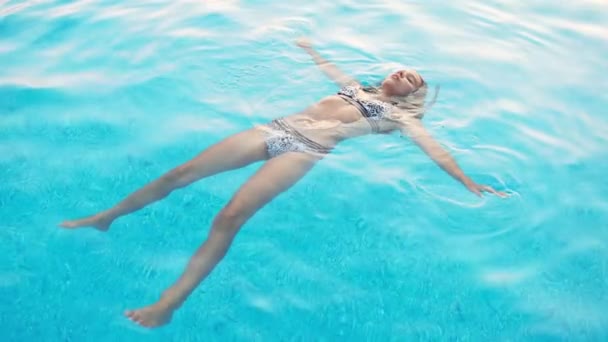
{"type": "Point", "coordinates": [328, 68]}
{"type": "Point", "coordinates": [416, 131]}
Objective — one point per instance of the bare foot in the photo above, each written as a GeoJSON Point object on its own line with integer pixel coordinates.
{"type": "Point", "coordinates": [99, 222]}
{"type": "Point", "coordinates": [151, 316]}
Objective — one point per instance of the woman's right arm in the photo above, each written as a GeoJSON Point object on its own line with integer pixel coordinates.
{"type": "Point", "coordinates": [328, 68]}
{"type": "Point", "coordinates": [416, 131]}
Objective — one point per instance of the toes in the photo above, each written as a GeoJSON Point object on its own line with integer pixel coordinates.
{"type": "Point", "coordinates": [137, 317]}
{"type": "Point", "coordinates": [141, 321]}
{"type": "Point", "coordinates": [70, 224]}
{"type": "Point", "coordinates": [142, 317]}
{"type": "Point", "coordinates": [134, 315]}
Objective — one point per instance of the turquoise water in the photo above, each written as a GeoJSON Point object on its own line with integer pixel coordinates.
{"type": "Point", "coordinates": [376, 243]}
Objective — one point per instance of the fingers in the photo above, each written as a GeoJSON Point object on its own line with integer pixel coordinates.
{"type": "Point", "coordinates": [492, 191]}
{"type": "Point", "coordinates": [474, 189]}
{"type": "Point", "coordinates": [480, 189]}
{"type": "Point", "coordinates": [303, 42]}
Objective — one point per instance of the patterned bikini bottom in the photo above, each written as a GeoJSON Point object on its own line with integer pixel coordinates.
{"type": "Point", "coordinates": [281, 138]}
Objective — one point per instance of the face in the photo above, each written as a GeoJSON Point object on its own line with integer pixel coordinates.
{"type": "Point", "coordinates": [402, 83]}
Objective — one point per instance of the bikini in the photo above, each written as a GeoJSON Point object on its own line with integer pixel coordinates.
{"type": "Point", "coordinates": [372, 110]}
{"type": "Point", "coordinates": [281, 137]}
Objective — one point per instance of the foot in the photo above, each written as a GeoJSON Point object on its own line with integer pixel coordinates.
{"type": "Point", "coordinates": [151, 316]}
{"type": "Point", "coordinates": [99, 222]}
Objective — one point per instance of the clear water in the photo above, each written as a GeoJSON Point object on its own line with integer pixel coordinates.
{"type": "Point", "coordinates": [376, 243]}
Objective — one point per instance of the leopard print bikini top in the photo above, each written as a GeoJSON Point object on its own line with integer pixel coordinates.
{"type": "Point", "coordinates": [372, 110]}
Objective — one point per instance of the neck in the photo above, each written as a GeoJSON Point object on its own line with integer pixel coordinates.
{"type": "Point", "coordinates": [384, 95]}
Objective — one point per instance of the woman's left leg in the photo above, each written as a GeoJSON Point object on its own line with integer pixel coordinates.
{"type": "Point", "coordinates": [234, 152]}
{"type": "Point", "coordinates": [274, 177]}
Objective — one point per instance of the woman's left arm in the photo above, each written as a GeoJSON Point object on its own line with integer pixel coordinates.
{"type": "Point", "coordinates": [416, 131]}
{"type": "Point", "coordinates": [329, 69]}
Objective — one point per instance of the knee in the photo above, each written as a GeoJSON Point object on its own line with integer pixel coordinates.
{"type": "Point", "coordinates": [230, 218]}
{"type": "Point", "coordinates": [178, 177]}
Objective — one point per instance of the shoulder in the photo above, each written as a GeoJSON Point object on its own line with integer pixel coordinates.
{"type": "Point", "coordinates": [350, 89]}
{"type": "Point", "coordinates": [404, 121]}
{"type": "Point", "coordinates": [411, 115]}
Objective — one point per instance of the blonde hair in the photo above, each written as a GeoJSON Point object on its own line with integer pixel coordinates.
{"type": "Point", "coordinates": [412, 105]}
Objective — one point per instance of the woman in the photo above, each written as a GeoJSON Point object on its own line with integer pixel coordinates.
{"type": "Point", "coordinates": [290, 146]}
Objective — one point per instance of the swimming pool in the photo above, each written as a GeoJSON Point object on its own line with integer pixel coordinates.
{"type": "Point", "coordinates": [376, 243]}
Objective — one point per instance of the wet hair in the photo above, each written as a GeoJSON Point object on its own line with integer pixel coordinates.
{"type": "Point", "coordinates": [413, 104]}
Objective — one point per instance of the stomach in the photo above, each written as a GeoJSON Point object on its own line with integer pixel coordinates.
{"type": "Point", "coordinates": [331, 108]}
{"type": "Point", "coordinates": [329, 121]}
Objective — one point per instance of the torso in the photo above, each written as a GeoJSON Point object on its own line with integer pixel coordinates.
{"type": "Point", "coordinates": [333, 119]}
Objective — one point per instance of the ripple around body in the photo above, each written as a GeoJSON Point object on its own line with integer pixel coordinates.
{"type": "Point", "coordinates": [99, 97]}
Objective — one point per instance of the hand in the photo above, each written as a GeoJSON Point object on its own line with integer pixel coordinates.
{"type": "Point", "coordinates": [304, 43]}
{"type": "Point", "coordinates": [478, 189]}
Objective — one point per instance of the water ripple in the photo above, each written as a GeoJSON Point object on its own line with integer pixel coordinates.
{"type": "Point", "coordinates": [100, 97]}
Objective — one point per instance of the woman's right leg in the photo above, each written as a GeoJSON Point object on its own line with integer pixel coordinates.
{"type": "Point", "coordinates": [231, 153]}
{"type": "Point", "coordinates": [274, 177]}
